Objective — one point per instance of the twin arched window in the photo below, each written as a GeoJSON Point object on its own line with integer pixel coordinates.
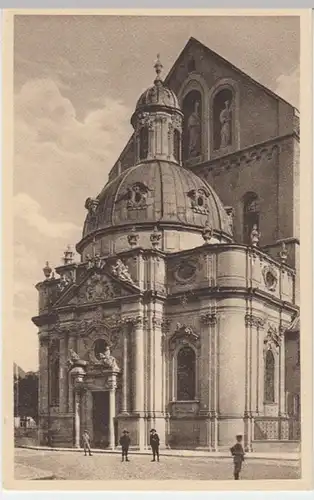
{"type": "Point", "coordinates": [186, 374]}
{"type": "Point", "coordinates": [222, 126]}
{"type": "Point", "coordinates": [269, 378]}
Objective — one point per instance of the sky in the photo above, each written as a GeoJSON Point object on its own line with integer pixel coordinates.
{"type": "Point", "coordinates": [76, 83]}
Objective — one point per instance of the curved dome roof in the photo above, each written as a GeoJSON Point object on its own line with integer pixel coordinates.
{"type": "Point", "coordinates": [158, 95]}
{"type": "Point", "coordinates": [157, 192]}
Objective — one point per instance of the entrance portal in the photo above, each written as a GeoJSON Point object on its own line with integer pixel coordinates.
{"type": "Point", "coordinates": [101, 417]}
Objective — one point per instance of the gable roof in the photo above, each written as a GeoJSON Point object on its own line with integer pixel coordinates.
{"type": "Point", "coordinates": [193, 41]}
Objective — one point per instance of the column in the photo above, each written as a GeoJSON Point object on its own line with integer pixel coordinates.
{"type": "Point", "coordinates": [139, 366]}
{"type": "Point", "coordinates": [139, 378]}
{"type": "Point", "coordinates": [77, 418]}
{"type": "Point", "coordinates": [282, 402]}
{"type": "Point", "coordinates": [125, 386]}
{"type": "Point", "coordinates": [112, 415]}
{"type": "Point", "coordinates": [63, 375]}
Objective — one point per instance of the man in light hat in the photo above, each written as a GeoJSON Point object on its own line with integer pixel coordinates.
{"type": "Point", "coordinates": [154, 442]}
{"type": "Point", "coordinates": [86, 443]}
{"type": "Point", "coordinates": [237, 452]}
{"type": "Point", "coordinates": [125, 443]}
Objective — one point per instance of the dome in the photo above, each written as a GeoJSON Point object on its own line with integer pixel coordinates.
{"type": "Point", "coordinates": [157, 192]}
{"type": "Point", "coordinates": [157, 96]}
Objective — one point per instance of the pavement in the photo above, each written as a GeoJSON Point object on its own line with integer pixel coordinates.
{"type": "Point", "coordinates": [34, 464]}
{"type": "Point", "coordinates": [27, 472]}
{"type": "Point", "coordinates": [282, 456]}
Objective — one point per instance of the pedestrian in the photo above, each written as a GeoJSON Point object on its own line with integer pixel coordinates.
{"type": "Point", "coordinates": [154, 442]}
{"type": "Point", "coordinates": [86, 443]}
{"type": "Point", "coordinates": [237, 452]}
{"type": "Point", "coordinates": [125, 443]}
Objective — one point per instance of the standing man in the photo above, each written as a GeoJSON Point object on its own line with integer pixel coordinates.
{"type": "Point", "coordinates": [154, 442]}
{"type": "Point", "coordinates": [237, 452]}
{"type": "Point", "coordinates": [125, 443]}
{"type": "Point", "coordinates": [86, 443]}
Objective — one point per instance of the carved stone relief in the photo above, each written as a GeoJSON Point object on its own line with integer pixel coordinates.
{"type": "Point", "coordinates": [199, 200]}
{"type": "Point", "coordinates": [184, 334]}
{"type": "Point", "coordinates": [270, 276]}
{"type": "Point", "coordinates": [136, 196]}
{"type": "Point", "coordinates": [273, 338]}
{"type": "Point", "coordinates": [99, 287]}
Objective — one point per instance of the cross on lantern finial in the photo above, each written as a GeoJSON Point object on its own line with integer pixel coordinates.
{"type": "Point", "coordinates": [158, 68]}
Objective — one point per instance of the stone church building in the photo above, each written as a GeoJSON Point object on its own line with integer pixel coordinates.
{"type": "Point", "coordinates": [183, 312]}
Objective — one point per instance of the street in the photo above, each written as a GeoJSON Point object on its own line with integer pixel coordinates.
{"type": "Point", "coordinates": [103, 466]}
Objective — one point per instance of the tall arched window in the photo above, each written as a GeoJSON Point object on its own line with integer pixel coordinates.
{"type": "Point", "coordinates": [143, 143]}
{"type": "Point", "coordinates": [269, 379]}
{"type": "Point", "coordinates": [186, 374]}
{"type": "Point", "coordinates": [192, 132]}
{"type": "Point", "coordinates": [176, 145]}
{"type": "Point", "coordinates": [223, 119]}
{"type": "Point", "coordinates": [251, 215]}
{"type": "Point", "coordinates": [54, 369]}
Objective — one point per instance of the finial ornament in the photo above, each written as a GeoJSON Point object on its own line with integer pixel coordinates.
{"type": "Point", "coordinates": [158, 68]}
{"type": "Point", "coordinates": [283, 254]}
{"type": "Point", "coordinates": [47, 271]}
{"type": "Point", "coordinates": [68, 255]}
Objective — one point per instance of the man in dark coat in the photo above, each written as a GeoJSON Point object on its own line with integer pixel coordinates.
{"type": "Point", "coordinates": [125, 443]}
{"type": "Point", "coordinates": [154, 442]}
{"type": "Point", "coordinates": [237, 452]}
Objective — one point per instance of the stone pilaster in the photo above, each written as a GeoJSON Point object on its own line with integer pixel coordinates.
{"type": "Point", "coordinates": [210, 368]}
{"type": "Point", "coordinates": [43, 374]}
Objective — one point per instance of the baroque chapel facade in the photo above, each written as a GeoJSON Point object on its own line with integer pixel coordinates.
{"type": "Point", "coordinates": [183, 312]}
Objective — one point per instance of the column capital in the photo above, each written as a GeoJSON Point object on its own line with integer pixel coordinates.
{"type": "Point", "coordinates": [209, 318]}
{"type": "Point", "coordinates": [252, 320]}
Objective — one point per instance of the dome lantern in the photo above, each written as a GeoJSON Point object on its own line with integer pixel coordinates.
{"type": "Point", "coordinates": [157, 122]}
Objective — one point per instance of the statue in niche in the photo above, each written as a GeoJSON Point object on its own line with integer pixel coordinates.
{"type": "Point", "coordinates": [194, 131]}
{"type": "Point", "coordinates": [255, 236]}
{"type": "Point", "coordinates": [225, 122]}
{"type": "Point", "coordinates": [109, 360]}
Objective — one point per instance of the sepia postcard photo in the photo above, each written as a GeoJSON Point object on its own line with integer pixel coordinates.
{"type": "Point", "coordinates": [156, 288]}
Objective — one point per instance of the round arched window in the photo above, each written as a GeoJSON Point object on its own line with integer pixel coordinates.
{"type": "Point", "coordinates": [186, 374]}
{"type": "Point", "coordinates": [99, 347]}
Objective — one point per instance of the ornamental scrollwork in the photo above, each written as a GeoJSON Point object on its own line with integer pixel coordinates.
{"type": "Point", "coordinates": [252, 320]}
{"type": "Point", "coordinates": [272, 339]}
{"type": "Point", "coordinates": [136, 196]}
{"type": "Point", "coordinates": [184, 334]}
{"type": "Point", "coordinates": [199, 200]}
